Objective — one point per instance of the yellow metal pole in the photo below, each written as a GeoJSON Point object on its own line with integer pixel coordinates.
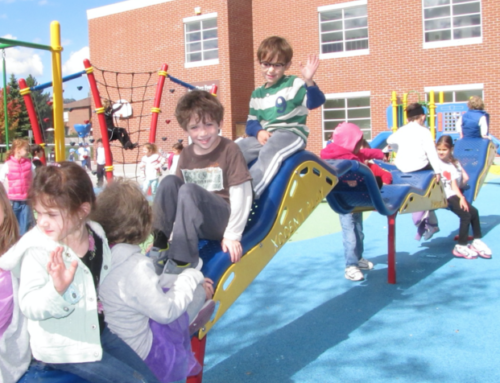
{"type": "Point", "coordinates": [432, 114]}
{"type": "Point", "coordinates": [394, 100]}
{"type": "Point", "coordinates": [57, 98]}
{"type": "Point", "coordinates": [441, 97]}
{"type": "Point", "coordinates": [405, 104]}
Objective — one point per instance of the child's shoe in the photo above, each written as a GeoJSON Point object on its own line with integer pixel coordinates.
{"type": "Point", "coordinates": [464, 252]}
{"type": "Point", "coordinates": [353, 273]}
{"type": "Point", "coordinates": [430, 230]}
{"type": "Point", "coordinates": [481, 248]}
{"type": "Point", "coordinates": [159, 258]}
{"type": "Point", "coordinates": [364, 264]}
{"type": "Point", "coordinates": [202, 317]}
{"type": "Point", "coordinates": [172, 267]}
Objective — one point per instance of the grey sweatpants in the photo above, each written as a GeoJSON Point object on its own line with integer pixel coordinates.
{"type": "Point", "coordinates": [281, 145]}
{"type": "Point", "coordinates": [196, 212]}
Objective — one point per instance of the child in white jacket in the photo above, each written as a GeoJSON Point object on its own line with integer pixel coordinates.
{"type": "Point", "coordinates": [151, 163]}
{"type": "Point", "coordinates": [152, 321]}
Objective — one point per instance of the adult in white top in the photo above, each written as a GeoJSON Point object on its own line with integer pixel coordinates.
{"type": "Point", "coordinates": [415, 146]}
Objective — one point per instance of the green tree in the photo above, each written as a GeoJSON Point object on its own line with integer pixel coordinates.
{"type": "Point", "coordinates": [23, 121]}
{"type": "Point", "coordinates": [13, 111]}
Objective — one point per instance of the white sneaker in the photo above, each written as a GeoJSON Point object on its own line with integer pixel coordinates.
{"type": "Point", "coordinates": [464, 252]}
{"type": "Point", "coordinates": [481, 248]}
{"type": "Point", "coordinates": [353, 273]}
{"type": "Point", "coordinates": [364, 264]}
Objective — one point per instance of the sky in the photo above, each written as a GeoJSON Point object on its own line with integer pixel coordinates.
{"type": "Point", "coordinates": [29, 20]}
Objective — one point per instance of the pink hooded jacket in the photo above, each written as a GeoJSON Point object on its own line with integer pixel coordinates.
{"type": "Point", "coordinates": [19, 178]}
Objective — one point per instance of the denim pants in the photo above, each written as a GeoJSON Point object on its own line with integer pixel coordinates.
{"type": "Point", "coordinates": [153, 183]}
{"type": "Point", "coordinates": [352, 236]}
{"type": "Point", "coordinates": [24, 215]}
{"type": "Point", "coordinates": [119, 364]}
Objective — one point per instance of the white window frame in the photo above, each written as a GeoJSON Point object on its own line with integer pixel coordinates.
{"type": "Point", "coordinates": [201, 62]}
{"type": "Point", "coordinates": [452, 88]}
{"type": "Point", "coordinates": [452, 42]}
{"type": "Point", "coordinates": [358, 52]}
{"type": "Point", "coordinates": [345, 96]}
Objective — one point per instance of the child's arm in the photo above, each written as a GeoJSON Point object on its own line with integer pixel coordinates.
{"type": "Point", "coordinates": [309, 69]}
{"type": "Point", "coordinates": [371, 154]}
{"type": "Point", "coordinates": [458, 126]}
{"type": "Point", "coordinates": [463, 202]}
{"type": "Point", "coordinates": [465, 176]}
{"type": "Point", "coordinates": [483, 126]}
{"type": "Point", "coordinates": [240, 197]}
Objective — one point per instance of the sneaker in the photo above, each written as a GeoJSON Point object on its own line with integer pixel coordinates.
{"type": "Point", "coordinates": [172, 267]}
{"type": "Point", "coordinates": [429, 232]}
{"type": "Point", "coordinates": [159, 258]}
{"type": "Point", "coordinates": [464, 252]}
{"type": "Point", "coordinates": [481, 248]}
{"type": "Point", "coordinates": [364, 264]}
{"type": "Point", "coordinates": [353, 273]}
{"type": "Point", "coordinates": [202, 317]}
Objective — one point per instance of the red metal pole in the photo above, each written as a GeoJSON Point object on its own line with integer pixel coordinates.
{"type": "Point", "coordinates": [155, 110]}
{"type": "Point", "coordinates": [391, 255]}
{"type": "Point", "coordinates": [213, 90]}
{"type": "Point", "coordinates": [198, 347]}
{"type": "Point", "coordinates": [35, 126]}
{"type": "Point", "coordinates": [102, 120]}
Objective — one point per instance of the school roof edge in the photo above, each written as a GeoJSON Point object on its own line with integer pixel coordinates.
{"type": "Point", "coordinates": [122, 6]}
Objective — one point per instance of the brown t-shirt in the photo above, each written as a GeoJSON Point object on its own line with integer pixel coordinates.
{"type": "Point", "coordinates": [216, 171]}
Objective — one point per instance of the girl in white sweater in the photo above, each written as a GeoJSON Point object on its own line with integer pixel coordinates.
{"type": "Point", "coordinates": [156, 323]}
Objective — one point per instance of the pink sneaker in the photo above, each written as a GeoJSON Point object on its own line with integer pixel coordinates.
{"type": "Point", "coordinates": [481, 249]}
{"type": "Point", "coordinates": [464, 252]}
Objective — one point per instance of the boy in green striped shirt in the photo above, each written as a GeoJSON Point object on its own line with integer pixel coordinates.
{"type": "Point", "coordinates": [276, 125]}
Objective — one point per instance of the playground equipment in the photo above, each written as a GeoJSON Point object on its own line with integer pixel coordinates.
{"type": "Point", "coordinates": [82, 130]}
{"type": "Point", "coordinates": [55, 48]}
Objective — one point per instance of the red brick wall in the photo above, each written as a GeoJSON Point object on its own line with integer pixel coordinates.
{"type": "Point", "coordinates": [77, 116]}
{"type": "Point", "coordinates": [142, 39]}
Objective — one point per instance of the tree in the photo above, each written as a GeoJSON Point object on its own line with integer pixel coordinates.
{"type": "Point", "coordinates": [23, 121]}
{"type": "Point", "coordinates": [13, 111]}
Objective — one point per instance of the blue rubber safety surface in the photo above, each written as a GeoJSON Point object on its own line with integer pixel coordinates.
{"type": "Point", "coordinates": [302, 321]}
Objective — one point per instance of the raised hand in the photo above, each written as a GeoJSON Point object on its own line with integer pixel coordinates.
{"type": "Point", "coordinates": [309, 69]}
{"type": "Point", "coordinates": [61, 276]}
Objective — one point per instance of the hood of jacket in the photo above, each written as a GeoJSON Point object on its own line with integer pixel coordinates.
{"type": "Point", "coordinates": [347, 135]}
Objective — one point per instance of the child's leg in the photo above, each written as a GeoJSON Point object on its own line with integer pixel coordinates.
{"type": "Point", "coordinates": [475, 222]}
{"type": "Point", "coordinates": [465, 219]}
{"type": "Point", "coordinates": [200, 214]}
{"type": "Point", "coordinates": [154, 186]}
{"type": "Point", "coordinates": [145, 186]}
{"type": "Point", "coordinates": [350, 238]}
{"type": "Point", "coordinates": [281, 145]}
{"type": "Point", "coordinates": [250, 148]}
{"type": "Point", "coordinates": [360, 236]}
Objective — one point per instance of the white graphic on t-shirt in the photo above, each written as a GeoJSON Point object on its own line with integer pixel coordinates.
{"type": "Point", "coordinates": [210, 179]}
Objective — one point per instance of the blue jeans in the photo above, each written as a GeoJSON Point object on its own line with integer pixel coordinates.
{"type": "Point", "coordinates": [153, 183]}
{"type": "Point", "coordinates": [352, 236]}
{"type": "Point", "coordinates": [24, 215]}
{"type": "Point", "coordinates": [119, 364]}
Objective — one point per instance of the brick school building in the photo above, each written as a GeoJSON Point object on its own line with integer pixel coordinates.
{"type": "Point", "coordinates": [368, 48]}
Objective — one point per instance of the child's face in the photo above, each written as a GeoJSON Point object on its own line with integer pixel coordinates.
{"type": "Point", "coordinates": [273, 70]}
{"type": "Point", "coordinates": [57, 224]}
{"type": "Point", "coordinates": [21, 152]}
{"type": "Point", "coordinates": [145, 150]}
{"type": "Point", "coordinates": [443, 152]}
{"type": "Point", "coordinates": [176, 152]}
{"type": "Point", "coordinates": [204, 135]}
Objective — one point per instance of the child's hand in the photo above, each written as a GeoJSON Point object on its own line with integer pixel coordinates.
{"type": "Point", "coordinates": [234, 248]}
{"type": "Point", "coordinates": [463, 204]}
{"type": "Point", "coordinates": [61, 276]}
{"type": "Point", "coordinates": [309, 69]}
{"type": "Point", "coordinates": [438, 177]}
{"type": "Point", "coordinates": [208, 285]}
{"type": "Point", "coordinates": [263, 136]}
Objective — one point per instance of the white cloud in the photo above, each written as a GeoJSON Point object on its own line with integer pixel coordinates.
{"type": "Point", "coordinates": [75, 62]}
{"type": "Point", "coordinates": [22, 61]}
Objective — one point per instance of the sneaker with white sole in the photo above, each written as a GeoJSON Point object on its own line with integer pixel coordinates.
{"type": "Point", "coordinates": [464, 252]}
{"type": "Point", "coordinates": [365, 264]}
{"type": "Point", "coordinates": [481, 248]}
{"type": "Point", "coordinates": [353, 273]}
{"type": "Point", "coordinates": [172, 267]}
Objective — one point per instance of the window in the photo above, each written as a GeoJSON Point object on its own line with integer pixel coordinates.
{"type": "Point", "coordinates": [349, 107]}
{"type": "Point", "coordinates": [201, 40]}
{"type": "Point", "coordinates": [455, 93]}
{"type": "Point", "coordinates": [343, 29]}
{"type": "Point", "coordinates": [451, 22]}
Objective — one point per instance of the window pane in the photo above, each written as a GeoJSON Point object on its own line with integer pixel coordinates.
{"type": "Point", "coordinates": [193, 37]}
{"type": "Point", "coordinates": [327, 135]}
{"type": "Point", "coordinates": [437, 12]}
{"type": "Point", "coordinates": [356, 34]}
{"type": "Point", "coordinates": [367, 134]}
{"type": "Point", "coordinates": [210, 44]}
{"type": "Point", "coordinates": [358, 102]}
{"type": "Point", "coordinates": [210, 23]}
{"type": "Point", "coordinates": [194, 57]}
{"type": "Point", "coordinates": [331, 15]}
{"type": "Point", "coordinates": [330, 125]}
{"type": "Point", "coordinates": [212, 33]}
{"type": "Point", "coordinates": [210, 55]}
{"type": "Point", "coordinates": [355, 45]}
{"type": "Point", "coordinates": [432, 3]}
{"type": "Point", "coordinates": [331, 26]}
{"type": "Point", "coordinates": [334, 115]}
{"type": "Point", "coordinates": [463, 21]}
{"type": "Point", "coordinates": [437, 36]}
{"type": "Point", "coordinates": [466, 8]}
{"type": "Point", "coordinates": [191, 27]}
{"type": "Point", "coordinates": [464, 95]}
{"type": "Point", "coordinates": [460, 1]}
{"type": "Point", "coordinates": [358, 113]}
{"type": "Point", "coordinates": [448, 96]}
{"type": "Point", "coordinates": [329, 37]}
{"type": "Point", "coordinates": [363, 124]}
{"type": "Point", "coordinates": [466, 33]}
{"type": "Point", "coordinates": [337, 103]}
{"type": "Point", "coordinates": [355, 12]}
{"type": "Point", "coordinates": [195, 47]}
{"type": "Point", "coordinates": [437, 24]}
{"type": "Point", "coordinates": [332, 48]}
{"type": "Point", "coordinates": [356, 23]}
